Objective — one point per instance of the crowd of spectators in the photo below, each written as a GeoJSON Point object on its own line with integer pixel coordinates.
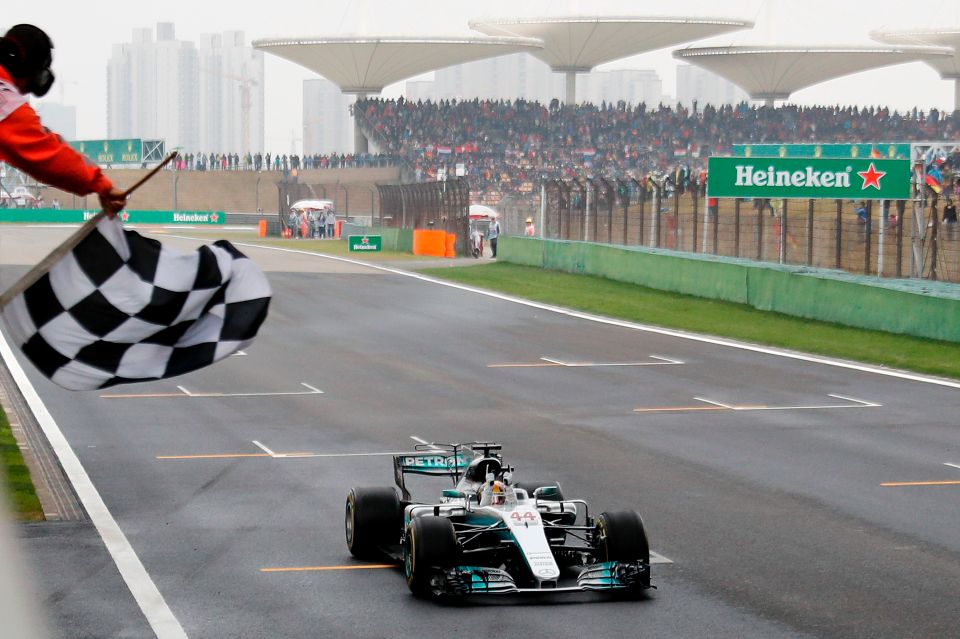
{"type": "Point", "coordinates": [507, 147]}
{"type": "Point", "coordinates": [279, 162]}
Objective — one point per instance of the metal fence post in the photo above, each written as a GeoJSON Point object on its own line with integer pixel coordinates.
{"type": "Point", "coordinates": [715, 211]}
{"type": "Point", "coordinates": [696, 201]}
{"type": "Point", "coordinates": [839, 231]}
{"type": "Point", "coordinates": [810, 233]}
{"type": "Point", "coordinates": [676, 217]}
{"type": "Point", "coordinates": [736, 227]}
{"type": "Point", "coordinates": [760, 231]}
{"type": "Point", "coordinates": [901, 211]}
{"type": "Point", "coordinates": [783, 232]}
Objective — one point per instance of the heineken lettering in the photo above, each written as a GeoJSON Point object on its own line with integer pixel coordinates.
{"type": "Point", "coordinates": [748, 176]}
{"type": "Point", "coordinates": [809, 178]}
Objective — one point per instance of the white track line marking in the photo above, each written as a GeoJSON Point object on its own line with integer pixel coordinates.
{"type": "Point", "coordinates": [420, 440]}
{"type": "Point", "coordinates": [664, 362]}
{"type": "Point", "coordinates": [669, 360]}
{"type": "Point", "coordinates": [264, 448]}
{"type": "Point", "coordinates": [693, 337]}
{"type": "Point", "coordinates": [854, 399]}
{"type": "Point", "coordinates": [710, 401]}
{"type": "Point", "coordinates": [717, 405]}
{"type": "Point", "coordinates": [144, 591]}
{"type": "Point", "coordinates": [311, 390]}
{"type": "Point", "coordinates": [951, 465]}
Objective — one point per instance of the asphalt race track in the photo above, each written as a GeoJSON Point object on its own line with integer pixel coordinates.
{"type": "Point", "coordinates": [760, 477]}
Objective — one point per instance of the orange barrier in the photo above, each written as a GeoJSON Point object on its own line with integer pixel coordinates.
{"type": "Point", "coordinates": [262, 228]}
{"type": "Point", "coordinates": [337, 227]}
{"type": "Point", "coordinates": [451, 245]}
{"type": "Point", "coordinates": [429, 242]}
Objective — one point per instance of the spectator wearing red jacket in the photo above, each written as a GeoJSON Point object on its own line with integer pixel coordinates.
{"type": "Point", "coordinates": [26, 53]}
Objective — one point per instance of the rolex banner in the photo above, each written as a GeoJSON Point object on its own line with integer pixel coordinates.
{"type": "Point", "coordinates": [809, 178]}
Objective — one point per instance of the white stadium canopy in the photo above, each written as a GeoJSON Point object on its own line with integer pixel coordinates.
{"type": "Point", "coordinates": [775, 72]}
{"type": "Point", "coordinates": [364, 65]}
{"type": "Point", "coordinates": [577, 44]}
{"type": "Point", "coordinates": [949, 68]}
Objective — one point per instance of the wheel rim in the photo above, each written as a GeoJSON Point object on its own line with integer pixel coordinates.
{"type": "Point", "coordinates": [348, 523]}
{"type": "Point", "coordinates": [408, 556]}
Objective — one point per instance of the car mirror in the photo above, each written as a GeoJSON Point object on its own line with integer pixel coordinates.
{"type": "Point", "coordinates": [546, 491]}
{"type": "Point", "coordinates": [453, 494]}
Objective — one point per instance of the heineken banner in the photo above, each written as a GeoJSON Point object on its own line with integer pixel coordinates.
{"type": "Point", "coordinates": [843, 179]}
{"type": "Point", "coordinates": [364, 242]}
{"type": "Point", "coordinates": [77, 216]}
{"type": "Point", "coordinates": [875, 150]}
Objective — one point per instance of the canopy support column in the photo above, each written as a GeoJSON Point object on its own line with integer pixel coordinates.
{"type": "Point", "coordinates": [360, 142]}
{"type": "Point", "coordinates": [571, 84]}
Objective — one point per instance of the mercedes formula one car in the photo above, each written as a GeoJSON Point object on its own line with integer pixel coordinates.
{"type": "Point", "coordinates": [490, 535]}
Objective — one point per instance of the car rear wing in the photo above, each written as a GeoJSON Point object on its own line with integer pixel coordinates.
{"type": "Point", "coordinates": [435, 460]}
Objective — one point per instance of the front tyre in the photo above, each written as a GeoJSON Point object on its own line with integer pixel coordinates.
{"type": "Point", "coordinates": [621, 537]}
{"type": "Point", "coordinates": [429, 546]}
{"type": "Point", "coordinates": [373, 519]}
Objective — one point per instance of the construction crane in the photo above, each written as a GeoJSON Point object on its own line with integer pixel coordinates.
{"type": "Point", "coordinates": [246, 86]}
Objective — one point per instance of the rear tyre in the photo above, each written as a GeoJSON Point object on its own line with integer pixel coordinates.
{"type": "Point", "coordinates": [532, 485]}
{"type": "Point", "coordinates": [621, 537]}
{"type": "Point", "coordinates": [430, 544]}
{"type": "Point", "coordinates": [373, 520]}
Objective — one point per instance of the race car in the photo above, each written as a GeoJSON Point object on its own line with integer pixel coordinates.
{"type": "Point", "coordinates": [490, 535]}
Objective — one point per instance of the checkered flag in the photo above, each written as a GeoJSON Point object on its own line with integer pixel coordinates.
{"type": "Point", "coordinates": [121, 308]}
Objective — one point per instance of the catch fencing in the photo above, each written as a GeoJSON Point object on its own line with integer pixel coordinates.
{"type": "Point", "coordinates": [888, 239]}
{"type": "Point", "coordinates": [428, 205]}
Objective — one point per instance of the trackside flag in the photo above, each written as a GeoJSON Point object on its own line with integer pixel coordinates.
{"type": "Point", "coordinates": [122, 308]}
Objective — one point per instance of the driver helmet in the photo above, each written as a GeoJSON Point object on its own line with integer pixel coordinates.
{"type": "Point", "coordinates": [498, 494]}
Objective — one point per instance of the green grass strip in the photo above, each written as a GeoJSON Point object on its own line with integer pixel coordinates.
{"type": "Point", "coordinates": [724, 319]}
{"type": "Point", "coordinates": [19, 487]}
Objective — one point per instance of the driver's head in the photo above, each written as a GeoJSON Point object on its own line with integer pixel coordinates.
{"type": "Point", "coordinates": [26, 52]}
{"type": "Point", "coordinates": [498, 493]}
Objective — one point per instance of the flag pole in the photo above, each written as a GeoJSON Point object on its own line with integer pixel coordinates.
{"type": "Point", "coordinates": [38, 271]}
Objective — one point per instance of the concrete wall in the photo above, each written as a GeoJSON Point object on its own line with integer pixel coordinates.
{"type": "Point", "coordinates": [910, 307]}
{"type": "Point", "coordinates": [239, 191]}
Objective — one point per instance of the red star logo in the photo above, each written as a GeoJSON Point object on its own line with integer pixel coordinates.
{"type": "Point", "coordinates": [214, 217]}
{"type": "Point", "coordinates": [125, 216]}
{"type": "Point", "coordinates": [365, 240]}
{"type": "Point", "coordinates": [871, 177]}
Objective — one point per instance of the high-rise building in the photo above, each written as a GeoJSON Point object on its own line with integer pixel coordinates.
{"type": "Point", "coordinates": [152, 89]}
{"type": "Point", "coordinates": [695, 83]}
{"type": "Point", "coordinates": [230, 94]}
{"type": "Point", "coordinates": [208, 99]}
{"type": "Point", "coordinates": [420, 90]}
{"type": "Point", "coordinates": [629, 85]}
{"type": "Point", "coordinates": [327, 125]}
{"type": "Point", "coordinates": [507, 77]}
{"type": "Point", "coordinates": [59, 118]}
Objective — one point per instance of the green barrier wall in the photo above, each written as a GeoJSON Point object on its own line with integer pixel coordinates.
{"type": "Point", "coordinates": [78, 216]}
{"type": "Point", "coordinates": [394, 239]}
{"type": "Point", "coordinates": [909, 307]}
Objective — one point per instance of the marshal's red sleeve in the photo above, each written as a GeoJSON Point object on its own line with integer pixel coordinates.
{"type": "Point", "coordinates": [27, 145]}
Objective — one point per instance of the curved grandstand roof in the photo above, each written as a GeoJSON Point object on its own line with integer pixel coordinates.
{"type": "Point", "coordinates": [579, 43]}
{"type": "Point", "coordinates": [774, 73]}
{"type": "Point", "coordinates": [367, 64]}
{"type": "Point", "coordinates": [949, 68]}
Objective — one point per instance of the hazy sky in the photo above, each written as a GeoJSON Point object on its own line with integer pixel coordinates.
{"type": "Point", "coordinates": [84, 32]}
